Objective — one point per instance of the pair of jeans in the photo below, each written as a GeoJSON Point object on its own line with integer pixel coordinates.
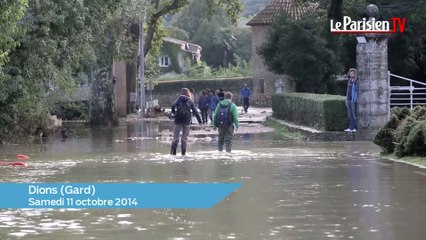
{"type": "Point", "coordinates": [204, 115]}
{"type": "Point", "coordinates": [352, 114]}
{"type": "Point", "coordinates": [246, 104]}
{"type": "Point", "coordinates": [226, 134]}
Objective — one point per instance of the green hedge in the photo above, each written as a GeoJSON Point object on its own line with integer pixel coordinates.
{"type": "Point", "coordinates": [322, 112]}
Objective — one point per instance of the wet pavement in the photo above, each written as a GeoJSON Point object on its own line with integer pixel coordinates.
{"type": "Point", "coordinates": [290, 190]}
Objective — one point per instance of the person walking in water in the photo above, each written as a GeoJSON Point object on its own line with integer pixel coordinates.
{"type": "Point", "coordinates": [351, 100]}
{"type": "Point", "coordinates": [181, 109]}
{"type": "Point", "coordinates": [213, 103]}
{"type": "Point", "coordinates": [225, 118]}
{"type": "Point", "coordinates": [245, 95]}
{"type": "Point", "coordinates": [203, 105]}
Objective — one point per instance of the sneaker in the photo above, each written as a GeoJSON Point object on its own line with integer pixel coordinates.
{"type": "Point", "coordinates": [348, 130]}
{"type": "Point", "coordinates": [353, 130]}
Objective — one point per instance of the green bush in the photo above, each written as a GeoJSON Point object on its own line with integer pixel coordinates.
{"type": "Point", "coordinates": [323, 112]}
{"type": "Point", "coordinates": [72, 111]}
{"type": "Point", "coordinates": [405, 133]}
{"type": "Point", "coordinates": [416, 140]}
{"type": "Point", "coordinates": [385, 137]}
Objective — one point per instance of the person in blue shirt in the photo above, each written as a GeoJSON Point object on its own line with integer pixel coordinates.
{"type": "Point", "coordinates": [245, 95]}
{"type": "Point", "coordinates": [213, 103]}
{"type": "Point", "coordinates": [203, 105]}
{"type": "Point", "coordinates": [352, 100]}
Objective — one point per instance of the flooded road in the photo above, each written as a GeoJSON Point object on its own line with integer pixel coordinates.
{"type": "Point", "coordinates": [290, 190]}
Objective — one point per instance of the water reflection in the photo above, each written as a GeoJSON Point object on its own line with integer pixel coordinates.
{"type": "Point", "coordinates": [289, 190]}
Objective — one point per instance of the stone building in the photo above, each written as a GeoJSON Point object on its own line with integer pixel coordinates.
{"type": "Point", "coordinates": [265, 82]}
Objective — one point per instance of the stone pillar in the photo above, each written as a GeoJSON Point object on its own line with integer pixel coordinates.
{"type": "Point", "coordinates": [373, 81]}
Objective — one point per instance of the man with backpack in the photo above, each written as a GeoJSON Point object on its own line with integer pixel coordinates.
{"type": "Point", "coordinates": [181, 109]}
{"type": "Point", "coordinates": [225, 118]}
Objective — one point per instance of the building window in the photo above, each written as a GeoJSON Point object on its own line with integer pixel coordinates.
{"type": "Point", "coordinates": [164, 61]}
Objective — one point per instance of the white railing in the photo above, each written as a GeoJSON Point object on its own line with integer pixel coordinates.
{"type": "Point", "coordinates": [408, 92]}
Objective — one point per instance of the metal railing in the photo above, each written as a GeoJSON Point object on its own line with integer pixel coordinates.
{"type": "Point", "coordinates": [410, 94]}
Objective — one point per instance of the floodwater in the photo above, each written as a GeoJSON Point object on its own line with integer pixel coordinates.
{"type": "Point", "coordinates": [290, 190]}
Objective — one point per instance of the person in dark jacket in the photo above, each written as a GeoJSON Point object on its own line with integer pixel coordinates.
{"type": "Point", "coordinates": [181, 109]}
{"type": "Point", "coordinates": [203, 105]}
{"type": "Point", "coordinates": [351, 100]}
{"type": "Point", "coordinates": [245, 95]}
{"type": "Point", "coordinates": [221, 94]}
{"type": "Point", "coordinates": [213, 103]}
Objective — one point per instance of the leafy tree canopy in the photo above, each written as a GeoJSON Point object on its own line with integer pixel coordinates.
{"type": "Point", "coordinates": [298, 48]}
{"type": "Point", "coordinates": [47, 47]}
{"type": "Point", "coordinates": [11, 11]}
{"type": "Point", "coordinates": [220, 39]}
{"type": "Point", "coordinates": [294, 45]}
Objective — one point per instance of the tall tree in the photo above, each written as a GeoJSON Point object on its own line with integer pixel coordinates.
{"type": "Point", "coordinates": [11, 11]}
{"type": "Point", "coordinates": [297, 47]}
{"type": "Point", "coordinates": [161, 8]}
{"type": "Point", "coordinates": [61, 41]}
{"type": "Point", "coordinates": [217, 35]}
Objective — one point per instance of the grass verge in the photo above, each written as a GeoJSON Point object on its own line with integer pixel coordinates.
{"type": "Point", "coordinates": [283, 131]}
{"type": "Point", "coordinates": [419, 161]}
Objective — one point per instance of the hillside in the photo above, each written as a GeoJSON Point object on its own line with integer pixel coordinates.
{"type": "Point", "coordinates": [252, 7]}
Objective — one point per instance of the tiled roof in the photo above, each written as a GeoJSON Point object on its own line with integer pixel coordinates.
{"type": "Point", "coordinates": [276, 7]}
{"type": "Point", "coordinates": [186, 46]}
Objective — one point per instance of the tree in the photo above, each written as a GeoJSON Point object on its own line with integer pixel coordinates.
{"type": "Point", "coordinates": [58, 40]}
{"type": "Point", "coordinates": [46, 47]}
{"type": "Point", "coordinates": [407, 54]}
{"type": "Point", "coordinates": [161, 8]}
{"type": "Point", "coordinates": [298, 48]}
{"type": "Point", "coordinates": [336, 53]}
{"type": "Point", "coordinates": [220, 39]}
{"type": "Point", "coordinates": [11, 11]}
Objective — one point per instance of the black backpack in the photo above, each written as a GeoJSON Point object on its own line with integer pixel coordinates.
{"type": "Point", "coordinates": [183, 111]}
{"type": "Point", "coordinates": [223, 116]}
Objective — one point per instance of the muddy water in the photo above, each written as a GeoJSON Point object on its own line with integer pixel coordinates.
{"type": "Point", "coordinates": [289, 190]}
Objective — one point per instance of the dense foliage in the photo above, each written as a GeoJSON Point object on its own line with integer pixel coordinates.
{"type": "Point", "coordinates": [405, 133]}
{"type": "Point", "coordinates": [221, 40]}
{"type": "Point", "coordinates": [48, 48]}
{"type": "Point", "coordinates": [304, 48]}
{"type": "Point", "coordinates": [298, 48]}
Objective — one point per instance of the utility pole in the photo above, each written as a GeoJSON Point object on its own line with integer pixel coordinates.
{"type": "Point", "coordinates": [142, 69]}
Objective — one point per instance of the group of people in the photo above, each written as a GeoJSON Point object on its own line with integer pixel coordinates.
{"type": "Point", "coordinates": [219, 108]}
{"type": "Point", "coordinates": [223, 113]}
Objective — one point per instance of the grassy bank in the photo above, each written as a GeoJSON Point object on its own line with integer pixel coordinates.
{"type": "Point", "coordinates": [418, 161]}
{"type": "Point", "coordinates": [283, 131]}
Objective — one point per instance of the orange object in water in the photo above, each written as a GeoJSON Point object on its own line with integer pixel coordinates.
{"type": "Point", "coordinates": [22, 156]}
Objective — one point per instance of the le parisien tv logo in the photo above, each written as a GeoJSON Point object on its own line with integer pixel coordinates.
{"type": "Point", "coordinates": [371, 25]}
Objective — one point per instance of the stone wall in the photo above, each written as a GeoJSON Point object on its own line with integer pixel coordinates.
{"type": "Point", "coordinates": [167, 91]}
